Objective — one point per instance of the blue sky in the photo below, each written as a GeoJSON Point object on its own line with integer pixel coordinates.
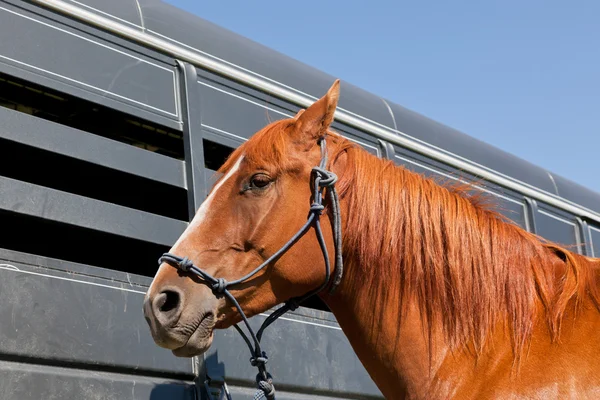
{"type": "Point", "coordinates": [521, 75]}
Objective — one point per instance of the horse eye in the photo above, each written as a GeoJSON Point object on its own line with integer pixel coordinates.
{"type": "Point", "coordinates": [260, 181]}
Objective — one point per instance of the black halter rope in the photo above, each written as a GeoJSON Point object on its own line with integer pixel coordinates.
{"type": "Point", "coordinates": [321, 179]}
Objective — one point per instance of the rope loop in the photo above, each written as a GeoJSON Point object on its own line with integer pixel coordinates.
{"type": "Point", "coordinates": [327, 178]}
{"type": "Point", "coordinates": [185, 264]}
{"type": "Point", "coordinates": [220, 285]}
{"type": "Point", "coordinates": [266, 389]}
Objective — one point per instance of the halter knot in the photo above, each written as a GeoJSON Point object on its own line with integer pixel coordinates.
{"type": "Point", "coordinates": [220, 285]}
{"type": "Point", "coordinates": [317, 208]}
{"type": "Point", "coordinates": [327, 178]}
{"type": "Point", "coordinates": [185, 264]}
{"type": "Point", "coordinates": [260, 360]}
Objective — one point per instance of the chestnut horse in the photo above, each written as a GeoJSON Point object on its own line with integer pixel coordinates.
{"type": "Point", "coordinates": [441, 297]}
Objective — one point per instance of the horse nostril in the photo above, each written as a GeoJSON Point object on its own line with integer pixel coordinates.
{"type": "Point", "coordinates": [167, 306]}
{"type": "Point", "coordinates": [167, 301]}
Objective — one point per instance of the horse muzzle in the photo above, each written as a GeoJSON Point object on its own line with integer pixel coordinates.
{"type": "Point", "coordinates": [185, 330]}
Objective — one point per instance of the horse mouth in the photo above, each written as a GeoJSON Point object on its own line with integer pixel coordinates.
{"type": "Point", "coordinates": [200, 340]}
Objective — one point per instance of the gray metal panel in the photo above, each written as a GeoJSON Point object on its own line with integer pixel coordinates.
{"type": "Point", "coordinates": [307, 353]}
{"type": "Point", "coordinates": [462, 145]}
{"type": "Point", "coordinates": [556, 227]}
{"type": "Point", "coordinates": [85, 94]}
{"type": "Point", "coordinates": [194, 32]}
{"type": "Point", "coordinates": [115, 276]}
{"type": "Point", "coordinates": [222, 137]}
{"type": "Point", "coordinates": [192, 138]}
{"type": "Point", "coordinates": [235, 113]}
{"type": "Point", "coordinates": [246, 91]}
{"type": "Point", "coordinates": [367, 142]}
{"type": "Point", "coordinates": [22, 381]}
{"type": "Point", "coordinates": [47, 135]}
{"type": "Point", "coordinates": [66, 315]}
{"type": "Point", "coordinates": [595, 242]}
{"type": "Point", "coordinates": [126, 11]}
{"type": "Point", "coordinates": [576, 193]}
{"type": "Point", "coordinates": [43, 47]}
{"type": "Point", "coordinates": [38, 201]}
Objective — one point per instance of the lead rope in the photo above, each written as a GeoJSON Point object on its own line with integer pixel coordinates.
{"type": "Point", "coordinates": [322, 179]}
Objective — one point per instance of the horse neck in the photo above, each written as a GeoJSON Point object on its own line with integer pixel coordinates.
{"type": "Point", "coordinates": [394, 351]}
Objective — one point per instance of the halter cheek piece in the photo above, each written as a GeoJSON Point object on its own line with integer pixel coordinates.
{"type": "Point", "coordinates": [320, 179]}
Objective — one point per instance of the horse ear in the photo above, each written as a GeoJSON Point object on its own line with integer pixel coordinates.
{"type": "Point", "coordinates": [314, 122]}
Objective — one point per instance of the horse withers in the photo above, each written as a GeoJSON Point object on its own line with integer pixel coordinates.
{"type": "Point", "coordinates": [441, 296]}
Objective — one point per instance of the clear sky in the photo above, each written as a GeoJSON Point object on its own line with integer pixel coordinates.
{"type": "Point", "coordinates": [522, 75]}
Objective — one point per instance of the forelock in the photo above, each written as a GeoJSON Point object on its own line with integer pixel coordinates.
{"type": "Point", "coordinates": [267, 146]}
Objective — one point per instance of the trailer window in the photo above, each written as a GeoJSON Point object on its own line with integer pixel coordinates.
{"type": "Point", "coordinates": [74, 112]}
{"type": "Point", "coordinates": [49, 169]}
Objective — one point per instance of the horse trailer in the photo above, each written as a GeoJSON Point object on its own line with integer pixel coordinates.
{"type": "Point", "coordinates": [115, 116]}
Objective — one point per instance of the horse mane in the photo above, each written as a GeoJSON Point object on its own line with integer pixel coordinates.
{"type": "Point", "coordinates": [466, 265]}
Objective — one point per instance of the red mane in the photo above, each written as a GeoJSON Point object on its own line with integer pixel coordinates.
{"type": "Point", "coordinates": [463, 262]}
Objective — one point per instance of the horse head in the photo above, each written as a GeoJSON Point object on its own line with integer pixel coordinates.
{"type": "Point", "coordinates": [261, 201]}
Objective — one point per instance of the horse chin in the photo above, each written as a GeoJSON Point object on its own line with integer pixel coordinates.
{"type": "Point", "coordinates": [200, 340]}
{"type": "Point", "coordinates": [197, 344]}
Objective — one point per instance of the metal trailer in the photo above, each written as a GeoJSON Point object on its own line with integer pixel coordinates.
{"type": "Point", "coordinates": [115, 115]}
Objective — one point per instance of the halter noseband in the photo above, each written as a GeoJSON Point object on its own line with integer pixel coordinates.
{"type": "Point", "coordinates": [321, 179]}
